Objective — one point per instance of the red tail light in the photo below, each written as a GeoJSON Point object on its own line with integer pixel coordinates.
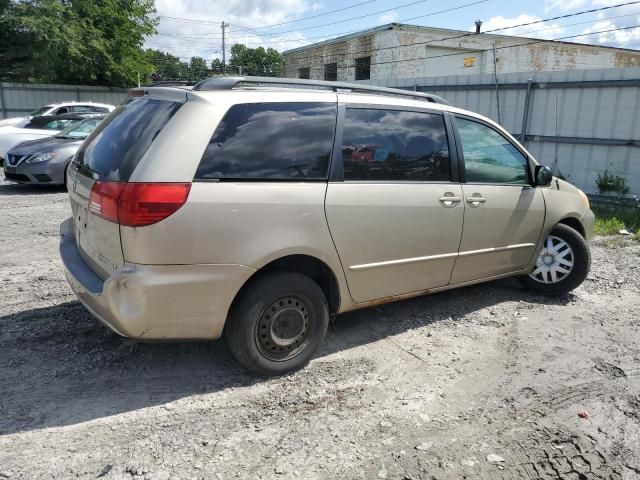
{"type": "Point", "coordinates": [137, 93]}
{"type": "Point", "coordinates": [137, 204]}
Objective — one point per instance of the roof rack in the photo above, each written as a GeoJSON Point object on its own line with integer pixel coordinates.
{"type": "Point", "coordinates": [228, 83]}
{"type": "Point", "coordinates": [170, 83]}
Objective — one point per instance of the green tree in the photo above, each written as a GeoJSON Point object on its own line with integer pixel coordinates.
{"type": "Point", "coordinates": [166, 66]}
{"type": "Point", "coordinates": [216, 66]}
{"type": "Point", "coordinates": [198, 69]}
{"type": "Point", "coordinates": [79, 41]}
{"type": "Point", "coordinates": [256, 61]}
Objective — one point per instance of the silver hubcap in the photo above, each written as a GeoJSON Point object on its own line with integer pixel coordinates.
{"type": "Point", "coordinates": [554, 262]}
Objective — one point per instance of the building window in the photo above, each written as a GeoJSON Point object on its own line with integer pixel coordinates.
{"type": "Point", "coordinates": [303, 73]}
{"type": "Point", "coordinates": [331, 72]}
{"type": "Point", "coordinates": [363, 68]}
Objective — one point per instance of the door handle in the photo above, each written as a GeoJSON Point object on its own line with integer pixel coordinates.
{"type": "Point", "coordinates": [476, 201]}
{"type": "Point", "coordinates": [449, 201]}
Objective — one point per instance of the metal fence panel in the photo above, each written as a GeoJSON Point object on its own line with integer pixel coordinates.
{"type": "Point", "coordinates": [597, 113]}
{"type": "Point", "coordinates": [18, 99]}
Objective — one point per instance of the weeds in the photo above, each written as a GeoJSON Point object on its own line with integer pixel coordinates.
{"type": "Point", "coordinates": [611, 221]}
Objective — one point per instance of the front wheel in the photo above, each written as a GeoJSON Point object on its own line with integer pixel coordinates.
{"type": "Point", "coordinates": [562, 264]}
{"type": "Point", "coordinates": [277, 323]}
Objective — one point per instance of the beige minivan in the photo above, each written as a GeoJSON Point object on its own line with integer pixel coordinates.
{"type": "Point", "coordinates": [258, 208]}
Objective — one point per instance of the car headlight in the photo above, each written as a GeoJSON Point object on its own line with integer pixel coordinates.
{"type": "Point", "coordinates": [43, 157]}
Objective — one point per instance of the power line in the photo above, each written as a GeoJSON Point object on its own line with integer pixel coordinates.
{"type": "Point", "coordinates": [459, 7]}
{"type": "Point", "coordinates": [348, 19]}
{"type": "Point", "coordinates": [446, 38]}
{"type": "Point", "coordinates": [593, 10]}
{"type": "Point", "coordinates": [309, 38]}
{"type": "Point", "coordinates": [496, 48]}
{"type": "Point", "coordinates": [471, 34]}
{"type": "Point", "coordinates": [209, 22]}
{"type": "Point", "coordinates": [499, 48]}
{"type": "Point", "coordinates": [354, 18]}
{"type": "Point", "coordinates": [315, 16]}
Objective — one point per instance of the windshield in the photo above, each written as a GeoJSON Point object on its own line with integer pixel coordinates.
{"type": "Point", "coordinates": [40, 111]}
{"type": "Point", "coordinates": [80, 130]}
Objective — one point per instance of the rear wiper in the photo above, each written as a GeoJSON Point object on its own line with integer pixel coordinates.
{"type": "Point", "coordinates": [85, 169]}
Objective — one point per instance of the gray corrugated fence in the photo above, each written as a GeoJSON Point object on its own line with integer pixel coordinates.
{"type": "Point", "coordinates": [18, 99]}
{"type": "Point", "coordinates": [597, 113]}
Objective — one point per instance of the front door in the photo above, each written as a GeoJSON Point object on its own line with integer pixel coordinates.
{"type": "Point", "coordinates": [504, 213]}
{"type": "Point", "coordinates": [396, 219]}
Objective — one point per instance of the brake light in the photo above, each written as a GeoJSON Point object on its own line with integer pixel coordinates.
{"type": "Point", "coordinates": [137, 204]}
{"type": "Point", "coordinates": [137, 93]}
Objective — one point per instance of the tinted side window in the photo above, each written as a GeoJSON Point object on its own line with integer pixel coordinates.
{"type": "Point", "coordinates": [114, 149]}
{"type": "Point", "coordinates": [394, 145]}
{"type": "Point", "coordinates": [489, 157]}
{"type": "Point", "coordinates": [271, 141]}
{"type": "Point", "coordinates": [80, 109]}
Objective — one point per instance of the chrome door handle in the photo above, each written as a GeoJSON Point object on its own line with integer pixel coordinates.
{"type": "Point", "coordinates": [449, 201]}
{"type": "Point", "coordinates": [476, 201]}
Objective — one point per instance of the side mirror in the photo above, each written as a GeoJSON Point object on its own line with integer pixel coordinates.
{"type": "Point", "coordinates": [543, 176]}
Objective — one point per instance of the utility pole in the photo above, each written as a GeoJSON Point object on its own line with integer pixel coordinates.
{"type": "Point", "coordinates": [495, 77]}
{"type": "Point", "coordinates": [224, 62]}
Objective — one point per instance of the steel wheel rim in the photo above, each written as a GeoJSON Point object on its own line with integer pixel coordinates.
{"type": "Point", "coordinates": [555, 261]}
{"type": "Point", "coordinates": [282, 331]}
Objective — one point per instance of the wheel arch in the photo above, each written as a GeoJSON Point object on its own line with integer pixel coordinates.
{"type": "Point", "coordinates": [304, 264]}
{"type": "Point", "coordinates": [574, 223]}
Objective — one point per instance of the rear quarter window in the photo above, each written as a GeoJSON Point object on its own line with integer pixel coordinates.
{"type": "Point", "coordinates": [115, 148]}
{"type": "Point", "coordinates": [271, 141]}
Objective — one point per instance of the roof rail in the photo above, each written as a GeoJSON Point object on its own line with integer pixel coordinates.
{"type": "Point", "coordinates": [228, 83]}
{"type": "Point", "coordinates": [169, 83]}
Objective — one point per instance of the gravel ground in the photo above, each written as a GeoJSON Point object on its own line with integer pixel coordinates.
{"type": "Point", "coordinates": [482, 382]}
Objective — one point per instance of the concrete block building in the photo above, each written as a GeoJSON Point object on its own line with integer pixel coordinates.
{"type": "Point", "coordinates": [398, 51]}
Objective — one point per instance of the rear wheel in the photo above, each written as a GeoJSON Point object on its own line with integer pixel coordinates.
{"type": "Point", "coordinates": [277, 323]}
{"type": "Point", "coordinates": [562, 264]}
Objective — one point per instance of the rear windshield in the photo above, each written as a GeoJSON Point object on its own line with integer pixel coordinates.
{"type": "Point", "coordinates": [115, 148]}
{"type": "Point", "coordinates": [41, 111]}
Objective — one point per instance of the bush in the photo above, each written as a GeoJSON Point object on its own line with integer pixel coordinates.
{"type": "Point", "coordinates": [608, 182]}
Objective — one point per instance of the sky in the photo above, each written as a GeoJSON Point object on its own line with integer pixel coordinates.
{"type": "Point", "coordinates": [193, 27]}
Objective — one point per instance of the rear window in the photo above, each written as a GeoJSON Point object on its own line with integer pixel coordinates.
{"type": "Point", "coordinates": [115, 148]}
{"type": "Point", "coordinates": [271, 141]}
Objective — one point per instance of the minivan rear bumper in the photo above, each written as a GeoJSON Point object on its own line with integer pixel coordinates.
{"type": "Point", "coordinates": [154, 302]}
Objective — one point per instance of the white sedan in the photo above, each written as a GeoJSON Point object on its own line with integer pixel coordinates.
{"type": "Point", "coordinates": [38, 127]}
{"type": "Point", "coordinates": [59, 109]}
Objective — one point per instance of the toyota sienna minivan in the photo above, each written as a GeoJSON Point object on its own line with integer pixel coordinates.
{"type": "Point", "coordinates": [257, 208]}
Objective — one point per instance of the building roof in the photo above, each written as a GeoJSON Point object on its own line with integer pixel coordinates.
{"type": "Point", "coordinates": [405, 26]}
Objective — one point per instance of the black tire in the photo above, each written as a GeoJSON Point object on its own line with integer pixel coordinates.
{"type": "Point", "coordinates": [280, 303]}
{"type": "Point", "coordinates": [579, 272]}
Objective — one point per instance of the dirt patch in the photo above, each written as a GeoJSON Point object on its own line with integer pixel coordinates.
{"type": "Point", "coordinates": [483, 382]}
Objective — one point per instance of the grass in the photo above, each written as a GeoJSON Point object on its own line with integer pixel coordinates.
{"type": "Point", "coordinates": [611, 221]}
